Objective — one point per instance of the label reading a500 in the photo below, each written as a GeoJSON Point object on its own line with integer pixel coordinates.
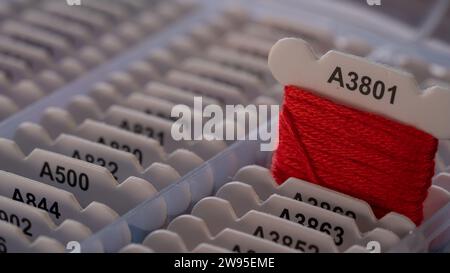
{"type": "Point", "coordinates": [364, 84]}
{"type": "Point", "coordinates": [63, 175]}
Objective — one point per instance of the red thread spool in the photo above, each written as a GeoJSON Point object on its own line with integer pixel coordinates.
{"type": "Point", "coordinates": [388, 164]}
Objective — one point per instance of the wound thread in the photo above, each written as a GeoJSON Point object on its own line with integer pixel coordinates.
{"type": "Point", "coordinates": [388, 164]}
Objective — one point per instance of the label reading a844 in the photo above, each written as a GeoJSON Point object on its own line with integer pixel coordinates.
{"type": "Point", "coordinates": [364, 85]}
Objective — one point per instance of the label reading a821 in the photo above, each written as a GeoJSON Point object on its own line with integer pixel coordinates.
{"type": "Point", "coordinates": [364, 84]}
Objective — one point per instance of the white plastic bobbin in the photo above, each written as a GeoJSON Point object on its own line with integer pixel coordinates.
{"type": "Point", "coordinates": [338, 76]}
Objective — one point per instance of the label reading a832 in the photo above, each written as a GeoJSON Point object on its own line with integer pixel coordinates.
{"type": "Point", "coordinates": [364, 84]}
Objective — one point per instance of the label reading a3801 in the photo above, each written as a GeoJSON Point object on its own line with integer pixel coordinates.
{"type": "Point", "coordinates": [364, 84]}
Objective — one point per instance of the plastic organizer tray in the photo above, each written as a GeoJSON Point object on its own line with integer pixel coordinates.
{"type": "Point", "coordinates": [383, 40]}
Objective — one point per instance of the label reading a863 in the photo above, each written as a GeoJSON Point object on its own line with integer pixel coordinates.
{"type": "Point", "coordinates": [364, 84]}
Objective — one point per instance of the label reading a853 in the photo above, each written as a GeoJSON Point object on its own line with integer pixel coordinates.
{"type": "Point", "coordinates": [364, 85]}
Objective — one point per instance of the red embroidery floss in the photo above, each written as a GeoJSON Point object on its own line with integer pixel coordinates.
{"type": "Point", "coordinates": [388, 164]}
